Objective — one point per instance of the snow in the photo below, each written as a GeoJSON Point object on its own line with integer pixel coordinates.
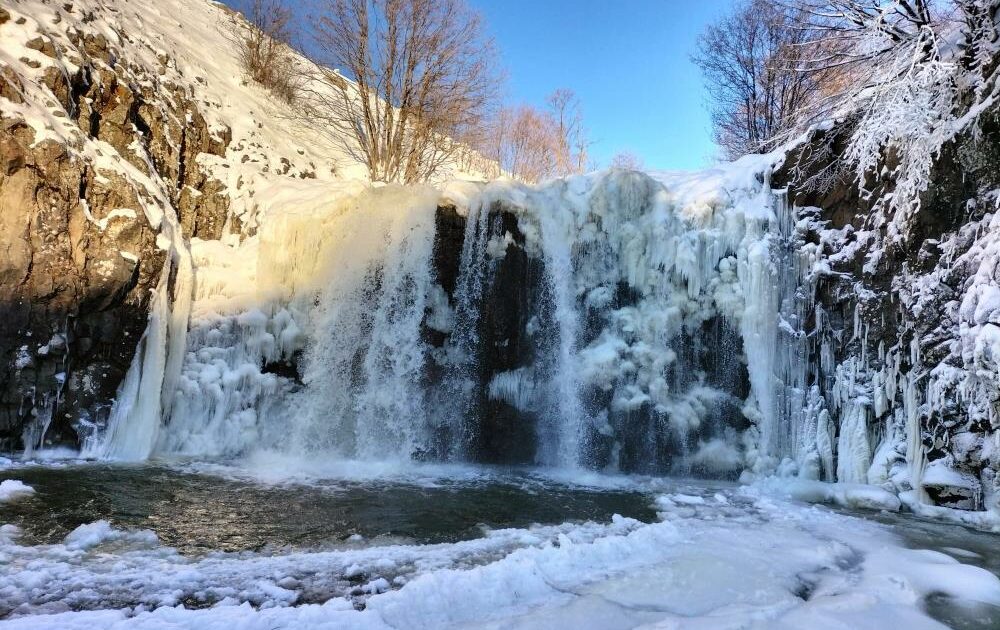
{"type": "Point", "coordinates": [13, 489]}
{"type": "Point", "coordinates": [939, 473]}
{"type": "Point", "coordinates": [849, 495]}
{"type": "Point", "coordinates": [986, 520]}
{"type": "Point", "coordinates": [808, 568]}
{"type": "Point", "coordinates": [90, 535]}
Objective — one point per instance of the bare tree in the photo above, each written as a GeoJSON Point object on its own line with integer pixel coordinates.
{"type": "Point", "coordinates": [627, 160]}
{"type": "Point", "coordinates": [263, 46]}
{"type": "Point", "coordinates": [495, 139]}
{"type": "Point", "coordinates": [417, 76]}
{"type": "Point", "coordinates": [532, 144]}
{"type": "Point", "coordinates": [529, 147]}
{"type": "Point", "coordinates": [749, 60]}
{"type": "Point", "coordinates": [571, 143]}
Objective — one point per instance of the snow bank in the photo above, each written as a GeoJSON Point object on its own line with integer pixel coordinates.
{"type": "Point", "coordinates": [850, 495]}
{"type": "Point", "coordinates": [987, 520]}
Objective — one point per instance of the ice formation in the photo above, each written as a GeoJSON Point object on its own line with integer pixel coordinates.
{"type": "Point", "coordinates": [659, 325]}
{"type": "Point", "coordinates": [14, 489]}
{"type": "Point", "coordinates": [676, 321]}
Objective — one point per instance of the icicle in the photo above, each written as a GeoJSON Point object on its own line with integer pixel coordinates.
{"type": "Point", "coordinates": [916, 458]}
{"type": "Point", "coordinates": [515, 387]}
{"type": "Point", "coordinates": [853, 450]}
{"type": "Point", "coordinates": [135, 417]}
{"type": "Point", "coordinates": [34, 432]}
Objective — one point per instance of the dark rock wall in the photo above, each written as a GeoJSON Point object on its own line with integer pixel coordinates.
{"type": "Point", "coordinates": [514, 292]}
{"type": "Point", "coordinates": [908, 288]}
{"type": "Point", "coordinates": [74, 289]}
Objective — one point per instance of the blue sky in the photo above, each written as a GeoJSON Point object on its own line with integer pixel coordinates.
{"type": "Point", "coordinates": [627, 60]}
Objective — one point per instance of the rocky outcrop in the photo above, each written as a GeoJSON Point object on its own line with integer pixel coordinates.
{"type": "Point", "coordinates": [94, 150]}
{"type": "Point", "coordinates": [902, 320]}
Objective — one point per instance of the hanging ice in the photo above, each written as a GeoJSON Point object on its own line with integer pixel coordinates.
{"type": "Point", "coordinates": [657, 323]}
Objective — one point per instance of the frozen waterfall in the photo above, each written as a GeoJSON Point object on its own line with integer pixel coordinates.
{"type": "Point", "coordinates": [612, 321]}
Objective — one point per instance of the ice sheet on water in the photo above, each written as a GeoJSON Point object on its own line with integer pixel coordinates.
{"type": "Point", "coordinates": [718, 559]}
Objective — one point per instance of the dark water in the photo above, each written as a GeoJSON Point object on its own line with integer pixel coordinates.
{"type": "Point", "coordinates": [198, 512]}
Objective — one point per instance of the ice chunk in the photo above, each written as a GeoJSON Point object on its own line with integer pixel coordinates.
{"type": "Point", "coordinates": [93, 534]}
{"type": "Point", "coordinates": [14, 489]}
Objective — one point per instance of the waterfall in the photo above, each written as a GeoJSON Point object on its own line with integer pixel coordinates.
{"type": "Point", "coordinates": [363, 394]}
{"type": "Point", "coordinates": [565, 446]}
{"type": "Point", "coordinates": [613, 321]}
{"type": "Point", "coordinates": [456, 396]}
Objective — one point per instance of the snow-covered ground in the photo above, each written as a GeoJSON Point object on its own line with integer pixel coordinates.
{"type": "Point", "coordinates": [717, 558]}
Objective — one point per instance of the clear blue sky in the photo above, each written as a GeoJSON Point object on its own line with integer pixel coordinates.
{"type": "Point", "coordinates": [627, 60]}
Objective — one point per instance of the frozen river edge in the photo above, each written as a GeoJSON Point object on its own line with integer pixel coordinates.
{"type": "Point", "coordinates": [715, 557]}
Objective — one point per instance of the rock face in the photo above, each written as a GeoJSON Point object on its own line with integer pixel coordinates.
{"type": "Point", "coordinates": [93, 151]}
{"type": "Point", "coordinates": [903, 330]}
{"type": "Point", "coordinates": [512, 294]}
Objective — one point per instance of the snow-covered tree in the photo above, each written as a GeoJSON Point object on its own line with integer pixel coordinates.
{"type": "Point", "coordinates": [912, 74]}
